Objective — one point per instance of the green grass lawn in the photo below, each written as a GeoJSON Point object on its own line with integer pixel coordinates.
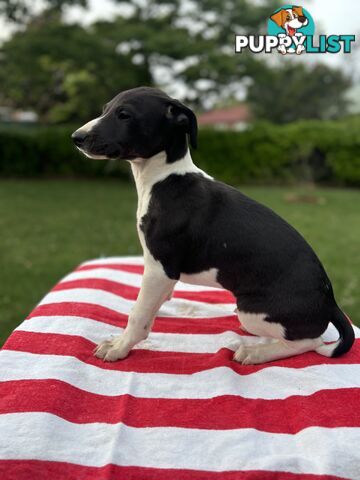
{"type": "Point", "coordinates": [50, 226]}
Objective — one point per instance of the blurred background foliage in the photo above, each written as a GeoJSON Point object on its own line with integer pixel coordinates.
{"type": "Point", "coordinates": [305, 152]}
{"type": "Point", "coordinates": [65, 71]}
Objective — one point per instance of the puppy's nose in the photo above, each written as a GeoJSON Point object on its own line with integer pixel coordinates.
{"type": "Point", "coordinates": [79, 137]}
{"type": "Point", "coordinates": [302, 19]}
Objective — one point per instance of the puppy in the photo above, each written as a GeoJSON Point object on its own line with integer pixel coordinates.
{"type": "Point", "coordinates": [197, 230]}
{"type": "Point", "coordinates": [290, 19]}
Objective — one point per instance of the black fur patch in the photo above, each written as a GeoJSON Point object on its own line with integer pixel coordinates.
{"type": "Point", "coordinates": [194, 224]}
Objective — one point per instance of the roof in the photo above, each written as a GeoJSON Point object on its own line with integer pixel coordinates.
{"type": "Point", "coordinates": [228, 115]}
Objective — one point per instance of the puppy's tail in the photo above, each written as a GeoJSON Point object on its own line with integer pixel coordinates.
{"type": "Point", "coordinates": [346, 336]}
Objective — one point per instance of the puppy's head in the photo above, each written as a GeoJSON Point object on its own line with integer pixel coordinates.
{"type": "Point", "coordinates": [139, 123]}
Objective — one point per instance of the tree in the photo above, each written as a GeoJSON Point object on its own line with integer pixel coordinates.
{"type": "Point", "coordinates": [21, 11]}
{"type": "Point", "coordinates": [298, 91]}
{"type": "Point", "coordinates": [63, 72]}
{"type": "Point", "coordinates": [194, 42]}
{"type": "Point", "coordinates": [66, 71]}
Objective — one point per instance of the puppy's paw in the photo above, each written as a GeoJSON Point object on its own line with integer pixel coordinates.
{"type": "Point", "coordinates": [111, 350]}
{"type": "Point", "coordinates": [247, 355]}
{"type": "Point", "coordinates": [102, 348]}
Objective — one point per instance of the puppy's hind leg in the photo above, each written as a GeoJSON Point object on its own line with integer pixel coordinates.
{"type": "Point", "coordinates": [262, 353]}
{"type": "Point", "coordinates": [279, 347]}
{"type": "Point", "coordinates": [239, 318]}
{"type": "Point", "coordinates": [255, 324]}
{"type": "Point", "coordinates": [156, 288]}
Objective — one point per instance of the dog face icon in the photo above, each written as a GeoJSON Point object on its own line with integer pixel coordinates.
{"type": "Point", "coordinates": [290, 19]}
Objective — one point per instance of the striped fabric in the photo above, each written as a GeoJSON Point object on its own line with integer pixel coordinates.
{"type": "Point", "coordinates": [178, 408]}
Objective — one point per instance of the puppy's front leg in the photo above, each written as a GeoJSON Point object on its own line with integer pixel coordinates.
{"type": "Point", "coordinates": [156, 287]}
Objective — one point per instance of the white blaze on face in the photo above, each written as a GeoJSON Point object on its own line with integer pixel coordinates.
{"type": "Point", "coordinates": [89, 126]}
{"type": "Point", "coordinates": [87, 129]}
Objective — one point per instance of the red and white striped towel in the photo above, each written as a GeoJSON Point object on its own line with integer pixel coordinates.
{"type": "Point", "coordinates": [178, 408]}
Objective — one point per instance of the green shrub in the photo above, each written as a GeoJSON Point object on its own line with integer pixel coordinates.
{"type": "Point", "coordinates": [316, 151]}
{"type": "Point", "coordinates": [323, 152]}
{"type": "Point", "coordinates": [49, 152]}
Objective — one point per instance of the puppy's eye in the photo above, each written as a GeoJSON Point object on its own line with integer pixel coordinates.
{"type": "Point", "coordinates": [123, 115]}
{"type": "Point", "coordinates": [295, 16]}
{"type": "Point", "coordinates": [288, 17]}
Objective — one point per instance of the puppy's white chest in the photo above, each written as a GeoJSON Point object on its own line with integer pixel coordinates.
{"type": "Point", "coordinates": [143, 205]}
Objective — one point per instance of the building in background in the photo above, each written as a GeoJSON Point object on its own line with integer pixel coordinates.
{"type": "Point", "coordinates": [7, 114]}
{"type": "Point", "coordinates": [236, 117]}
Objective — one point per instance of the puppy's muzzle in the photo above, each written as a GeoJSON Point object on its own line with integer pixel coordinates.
{"type": "Point", "coordinates": [79, 138]}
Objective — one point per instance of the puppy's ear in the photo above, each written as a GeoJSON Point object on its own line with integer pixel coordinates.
{"type": "Point", "coordinates": [299, 11]}
{"type": "Point", "coordinates": [184, 118]}
{"type": "Point", "coordinates": [278, 18]}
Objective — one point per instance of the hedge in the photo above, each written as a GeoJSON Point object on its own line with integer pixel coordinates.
{"type": "Point", "coordinates": [323, 152]}
{"type": "Point", "coordinates": [49, 151]}
{"type": "Point", "coordinates": [316, 151]}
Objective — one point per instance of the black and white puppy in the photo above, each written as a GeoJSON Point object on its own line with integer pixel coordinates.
{"type": "Point", "coordinates": [197, 230]}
